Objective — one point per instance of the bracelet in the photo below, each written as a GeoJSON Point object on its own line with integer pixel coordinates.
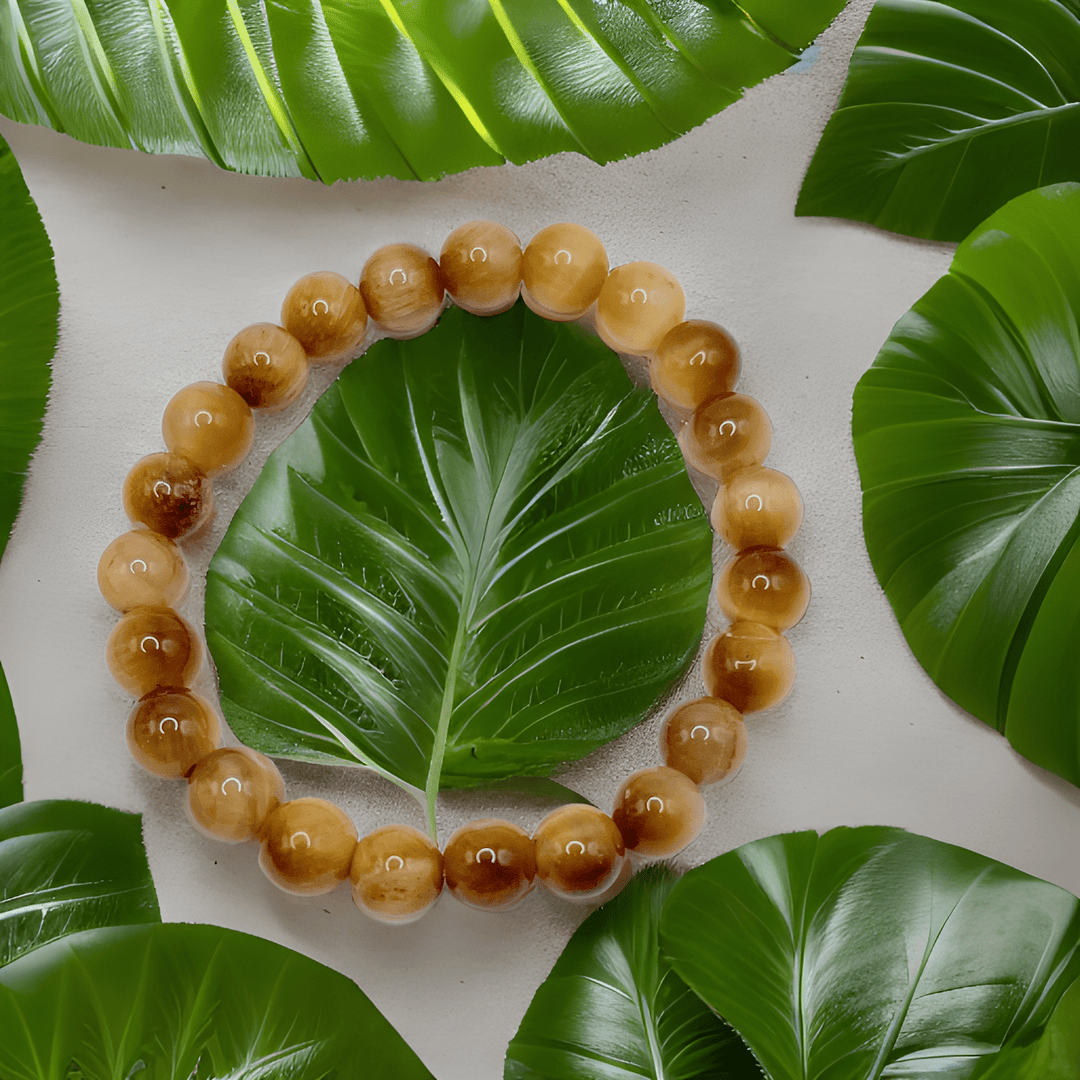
{"type": "Point", "coordinates": [309, 845]}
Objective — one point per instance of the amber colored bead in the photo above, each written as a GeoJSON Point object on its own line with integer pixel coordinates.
{"type": "Point", "coordinates": [563, 269]}
{"type": "Point", "coordinates": [307, 846]}
{"type": "Point", "coordinates": [481, 267]}
{"type": "Point", "coordinates": [704, 739]}
{"type": "Point", "coordinates": [696, 361]}
{"type": "Point", "coordinates": [638, 304]}
{"type": "Point", "coordinates": [266, 366]}
{"type": "Point", "coordinates": [210, 425]}
{"type": "Point", "coordinates": [658, 811]}
{"type": "Point", "coordinates": [757, 507]}
{"type": "Point", "coordinates": [169, 731]}
{"type": "Point", "coordinates": [151, 647]}
{"type": "Point", "coordinates": [232, 791]}
{"type": "Point", "coordinates": [728, 432]}
{"type": "Point", "coordinates": [168, 494]}
{"type": "Point", "coordinates": [326, 314]}
{"type": "Point", "coordinates": [750, 665]}
{"type": "Point", "coordinates": [763, 585]}
{"type": "Point", "coordinates": [579, 851]}
{"type": "Point", "coordinates": [142, 568]}
{"type": "Point", "coordinates": [490, 863]}
{"type": "Point", "coordinates": [403, 289]}
{"type": "Point", "coordinates": [396, 874]}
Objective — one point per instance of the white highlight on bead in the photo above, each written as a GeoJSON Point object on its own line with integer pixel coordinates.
{"type": "Point", "coordinates": [563, 262]}
{"type": "Point", "coordinates": [725, 424]}
{"type": "Point", "coordinates": [295, 839]}
{"type": "Point", "coordinates": [480, 854]}
{"type": "Point", "coordinates": [325, 308]}
{"type": "Point", "coordinates": [141, 563]}
{"type": "Point", "coordinates": [162, 488]}
{"type": "Point", "coordinates": [575, 843]}
{"type": "Point", "coordinates": [748, 664]}
{"type": "Point", "coordinates": [698, 358]}
{"type": "Point", "coordinates": [398, 277]}
{"type": "Point", "coordinates": [169, 720]}
{"type": "Point", "coordinates": [659, 804]}
{"type": "Point", "coordinates": [483, 255]}
{"type": "Point", "coordinates": [398, 863]}
{"type": "Point", "coordinates": [232, 780]}
{"type": "Point", "coordinates": [757, 578]}
{"type": "Point", "coordinates": [760, 502]}
{"type": "Point", "coordinates": [699, 727]}
{"type": "Point", "coordinates": [200, 413]}
{"type": "Point", "coordinates": [644, 297]}
{"type": "Point", "coordinates": [149, 637]}
{"type": "Point", "coordinates": [265, 358]}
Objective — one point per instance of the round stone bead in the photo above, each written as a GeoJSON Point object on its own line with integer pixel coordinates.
{"type": "Point", "coordinates": [705, 740]}
{"type": "Point", "coordinates": [325, 313]}
{"type": "Point", "coordinates": [209, 424]}
{"type": "Point", "coordinates": [695, 362]}
{"type": "Point", "coordinates": [142, 568]}
{"type": "Point", "coordinates": [403, 289]}
{"type": "Point", "coordinates": [231, 792]}
{"type": "Point", "coordinates": [169, 731]}
{"type": "Point", "coordinates": [757, 507]}
{"type": "Point", "coordinates": [563, 269]}
{"type": "Point", "coordinates": [638, 304]}
{"type": "Point", "coordinates": [481, 266]}
{"type": "Point", "coordinates": [266, 366]}
{"type": "Point", "coordinates": [168, 494]}
{"type": "Point", "coordinates": [763, 585]}
{"type": "Point", "coordinates": [490, 864]}
{"type": "Point", "coordinates": [307, 846]}
{"type": "Point", "coordinates": [152, 647]}
{"type": "Point", "coordinates": [579, 852]}
{"type": "Point", "coordinates": [396, 874]}
{"type": "Point", "coordinates": [728, 432]}
{"type": "Point", "coordinates": [750, 665]}
{"type": "Point", "coordinates": [658, 811]}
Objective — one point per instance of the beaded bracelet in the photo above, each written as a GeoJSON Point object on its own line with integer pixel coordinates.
{"type": "Point", "coordinates": [397, 872]}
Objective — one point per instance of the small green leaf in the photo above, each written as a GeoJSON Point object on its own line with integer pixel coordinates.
{"type": "Point", "coordinates": [11, 790]}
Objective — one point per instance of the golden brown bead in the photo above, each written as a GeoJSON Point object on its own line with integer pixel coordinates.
{"type": "Point", "coordinates": [579, 851]}
{"type": "Point", "coordinates": [757, 507]}
{"type": "Point", "coordinates": [728, 432]}
{"type": "Point", "coordinates": [140, 569]}
{"type": "Point", "coordinates": [403, 289]}
{"type": "Point", "coordinates": [481, 266]}
{"type": "Point", "coordinates": [705, 740]}
{"type": "Point", "coordinates": [696, 361]}
{"type": "Point", "coordinates": [232, 791]}
{"type": "Point", "coordinates": [563, 269]}
{"type": "Point", "coordinates": [168, 494]}
{"type": "Point", "coordinates": [151, 647]}
{"type": "Point", "coordinates": [169, 731]}
{"type": "Point", "coordinates": [763, 585]}
{"type": "Point", "coordinates": [750, 665]}
{"type": "Point", "coordinates": [325, 313]}
{"type": "Point", "coordinates": [210, 425]}
{"type": "Point", "coordinates": [658, 811]}
{"type": "Point", "coordinates": [307, 846]}
{"type": "Point", "coordinates": [490, 864]}
{"type": "Point", "coordinates": [638, 304]}
{"type": "Point", "coordinates": [266, 366]}
{"type": "Point", "coordinates": [396, 874]}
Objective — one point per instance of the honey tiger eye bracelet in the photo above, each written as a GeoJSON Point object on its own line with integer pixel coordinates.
{"type": "Point", "coordinates": [309, 845]}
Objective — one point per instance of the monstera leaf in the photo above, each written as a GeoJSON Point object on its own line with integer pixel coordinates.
{"type": "Point", "coordinates": [10, 749]}
{"type": "Point", "coordinates": [967, 434]}
{"type": "Point", "coordinates": [950, 110]}
{"type": "Point", "coordinates": [363, 88]}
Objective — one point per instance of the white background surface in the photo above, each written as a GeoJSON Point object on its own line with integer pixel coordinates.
{"type": "Point", "coordinates": [161, 260]}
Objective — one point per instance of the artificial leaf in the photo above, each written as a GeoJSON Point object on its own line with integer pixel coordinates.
{"type": "Point", "coordinates": [363, 88]}
{"type": "Point", "coordinates": [10, 751]}
{"type": "Point", "coordinates": [188, 1002]}
{"type": "Point", "coordinates": [873, 952]}
{"type": "Point", "coordinates": [950, 110]}
{"type": "Point", "coordinates": [967, 435]}
{"type": "Point", "coordinates": [613, 1008]}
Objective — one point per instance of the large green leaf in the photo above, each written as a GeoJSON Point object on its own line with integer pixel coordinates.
{"type": "Point", "coordinates": [613, 1008]}
{"type": "Point", "coordinates": [409, 88]}
{"type": "Point", "coordinates": [873, 952]}
{"type": "Point", "coordinates": [967, 434]}
{"type": "Point", "coordinates": [11, 790]}
{"type": "Point", "coordinates": [950, 110]}
{"type": "Point", "coordinates": [185, 1002]}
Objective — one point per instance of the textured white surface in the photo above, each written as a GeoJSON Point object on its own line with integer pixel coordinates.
{"type": "Point", "coordinates": [161, 260]}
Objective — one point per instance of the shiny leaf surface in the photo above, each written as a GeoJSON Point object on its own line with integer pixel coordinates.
{"type": "Point", "coordinates": [10, 750]}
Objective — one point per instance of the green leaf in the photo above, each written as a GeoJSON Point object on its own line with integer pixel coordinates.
{"type": "Point", "coordinates": [67, 867]}
{"type": "Point", "coordinates": [950, 110]}
{"type": "Point", "coordinates": [366, 88]}
{"type": "Point", "coordinates": [11, 790]}
{"type": "Point", "coordinates": [613, 1008]}
{"type": "Point", "coordinates": [873, 952]}
{"type": "Point", "coordinates": [967, 435]}
{"type": "Point", "coordinates": [178, 1002]}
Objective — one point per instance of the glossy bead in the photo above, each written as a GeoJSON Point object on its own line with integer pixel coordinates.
{"type": "Point", "coordinates": [579, 852]}
{"type": "Point", "coordinates": [490, 864]}
{"type": "Point", "coordinates": [705, 740]}
{"type": "Point", "coordinates": [563, 269]}
{"type": "Point", "coordinates": [750, 665]}
{"type": "Point", "coordinates": [403, 289]}
{"type": "Point", "coordinates": [696, 361]}
{"type": "Point", "coordinates": [210, 425]}
{"type": "Point", "coordinates": [232, 791]}
{"type": "Point", "coordinates": [168, 494]}
{"type": "Point", "coordinates": [763, 585]}
{"type": "Point", "coordinates": [142, 568]}
{"type": "Point", "coordinates": [638, 304]}
{"type": "Point", "coordinates": [169, 731]}
{"type": "Point", "coordinates": [728, 432]}
{"type": "Point", "coordinates": [396, 874]}
{"type": "Point", "coordinates": [481, 266]}
{"type": "Point", "coordinates": [151, 647]}
{"type": "Point", "coordinates": [658, 811]}
{"type": "Point", "coordinates": [266, 366]}
{"type": "Point", "coordinates": [307, 846]}
{"type": "Point", "coordinates": [757, 507]}
{"type": "Point", "coordinates": [325, 313]}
